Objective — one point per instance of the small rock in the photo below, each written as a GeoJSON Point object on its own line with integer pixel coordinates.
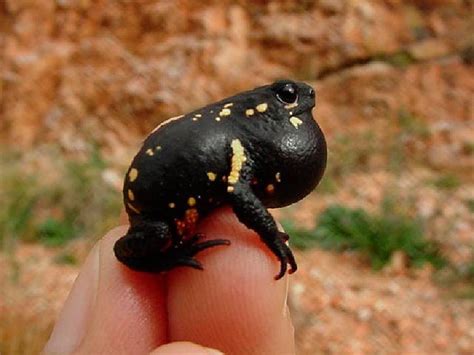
{"type": "Point", "coordinates": [427, 206]}
{"type": "Point", "coordinates": [394, 288]}
{"type": "Point", "coordinates": [380, 306]}
{"type": "Point", "coordinates": [364, 314]}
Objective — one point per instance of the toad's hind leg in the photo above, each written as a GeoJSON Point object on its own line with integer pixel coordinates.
{"type": "Point", "coordinates": [148, 246]}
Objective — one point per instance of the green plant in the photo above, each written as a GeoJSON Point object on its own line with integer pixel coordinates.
{"type": "Point", "coordinates": [400, 59]}
{"type": "Point", "coordinates": [468, 147]}
{"type": "Point", "coordinates": [87, 203]}
{"type": "Point", "coordinates": [19, 196]}
{"type": "Point", "coordinates": [411, 124]}
{"type": "Point", "coordinates": [53, 208]}
{"type": "Point", "coordinates": [53, 232]}
{"type": "Point", "coordinates": [470, 204]}
{"type": "Point", "coordinates": [377, 236]}
{"type": "Point", "coordinates": [447, 182]}
{"type": "Point", "coordinates": [65, 259]}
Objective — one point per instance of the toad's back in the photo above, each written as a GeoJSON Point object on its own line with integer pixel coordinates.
{"type": "Point", "coordinates": [183, 163]}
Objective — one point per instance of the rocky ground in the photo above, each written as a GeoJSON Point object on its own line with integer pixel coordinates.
{"type": "Point", "coordinates": [72, 70]}
{"type": "Point", "coordinates": [339, 305]}
{"type": "Point", "coordinates": [395, 83]}
{"type": "Point", "coordinates": [342, 307]}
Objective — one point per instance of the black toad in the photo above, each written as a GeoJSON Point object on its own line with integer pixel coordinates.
{"type": "Point", "coordinates": [258, 149]}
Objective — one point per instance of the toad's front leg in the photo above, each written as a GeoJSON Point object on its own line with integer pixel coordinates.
{"type": "Point", "coordinates": [251, 212]}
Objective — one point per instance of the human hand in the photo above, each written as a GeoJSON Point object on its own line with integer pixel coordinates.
{"type": "Point", "coordinates": [234, 305]}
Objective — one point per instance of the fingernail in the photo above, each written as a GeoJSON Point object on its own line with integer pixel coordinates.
{"type": "Point", "coordinates": [211, 351]}
{"type": "Point", "coordinates": [72, 323]}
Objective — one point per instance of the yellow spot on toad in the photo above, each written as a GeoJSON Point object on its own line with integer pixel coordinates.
{"type": "Point", "coordinates": [230, 104]}
{"type": "Point", "coordinates": [149, 152]}
{"type": "Point", "coordinates": [194, 118]}
{"type": "Point", "coordinates": [133, 208]}
{"type": "Point", "coordinates": [211, 176]}
{"type": "Point", "coordinates": [132, 175]}
{"type": "Point", "coordinates": [164, 123]}
{"type": "Point", "coordinates": [191, 201]}
{"type": "Point", "coordinates": [218, 119]}
{"type": "Point", "coordinates": [198, 115]}
{"type": "Point", "coordinates": [131, 196]}
{"type": "Point", "coordinates": [171, 205]}
{"type": "Point", "coordinates": [224, 112]}
{"type": "Point", "coordinates": [230, 188]}
{"type": "Point", "coordinates": [293, 105]}
{"type": "Point", "coordinates": [295, 121]}
{"type": "Point", "coordinates": [270, 188]}
{"type": "Point", "coordinates": [262, 107]}
{"type": "Point", "coordinates": [238, 160]}
{"type": "Point", "coordinates": [278, 177]}
{"type": "Point", "coordinates": [249, 112]}
{"type": "Point", "coordinates": [158, 147]}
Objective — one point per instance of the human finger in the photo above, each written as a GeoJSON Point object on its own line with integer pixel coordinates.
{"type": "Point", "coordinates": [234, 305]}
{"type": "Point", "coordinates": [111, 309]}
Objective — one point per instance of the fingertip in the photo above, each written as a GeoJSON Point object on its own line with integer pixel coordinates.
{"type": "Point", "coordinates": [234, 304]}
{"type": "Point", "coordinates": [129, 314]}
{"type": "Point", "coordinates": [79, 309]}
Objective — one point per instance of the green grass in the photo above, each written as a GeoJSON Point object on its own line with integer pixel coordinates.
{"type": "Point", "coordinates": [468, 148]}
{"type": "Point", "coordinates": [55, 232]}
{"type": "Point", "coordinates": [19, 197]}
{"type": "Point", "coordinates": [400, 59]}
{"type": "Point", "coordinates": [447, 182]}
{"type": "Point", "coordinates": [73, 201]}
{"type": "Point", "coordinates": [470, 204]}
{"type": "Point", "coordinates": [64, 258]}
{"type": "Point", "coordinates": [375, 235]}
{"type": "Point", "coordinates": [411, 124]}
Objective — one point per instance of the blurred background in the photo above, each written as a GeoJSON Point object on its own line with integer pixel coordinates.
{"type": "Point", "coordinates": [386, 242]}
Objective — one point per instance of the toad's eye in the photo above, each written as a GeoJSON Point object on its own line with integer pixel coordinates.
{"type": "Point", "coordinates": [287, 94]}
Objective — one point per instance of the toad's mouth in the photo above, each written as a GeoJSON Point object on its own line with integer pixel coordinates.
{"type": "Point", "coordinates": [303, 108]}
